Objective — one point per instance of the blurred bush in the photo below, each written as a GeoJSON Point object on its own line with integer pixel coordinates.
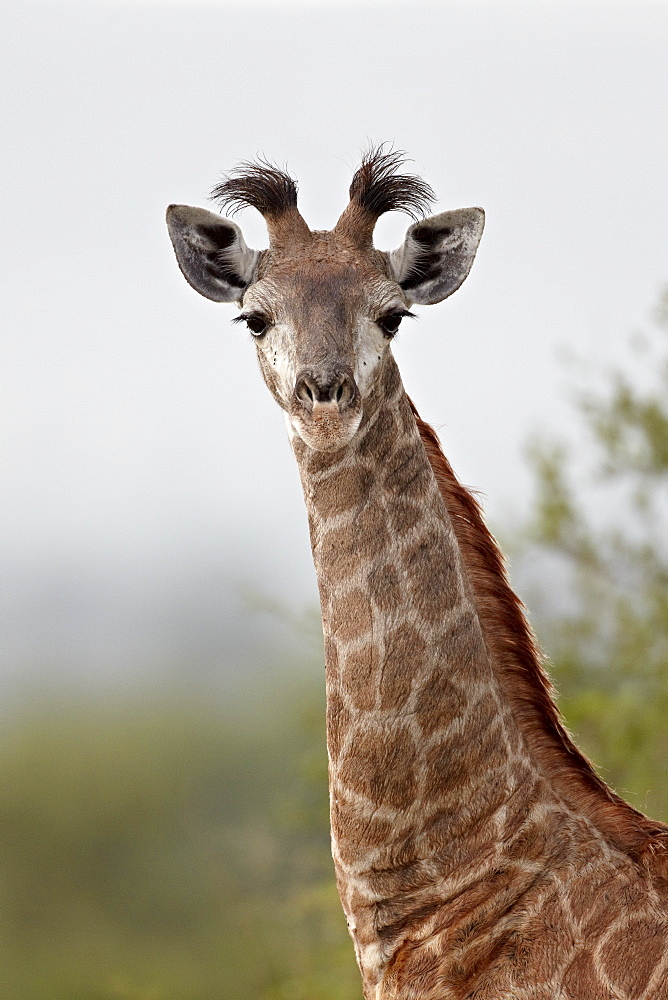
{"type": "Point", "coordinates": [599, 537]}
{"type": "Point", "coordinates": [169, 851]}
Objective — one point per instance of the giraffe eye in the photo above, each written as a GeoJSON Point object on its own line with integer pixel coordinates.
{"type": "Point", "coordinates": [390, 323]}
{"type": "Point", "coordinates": [256, 324]}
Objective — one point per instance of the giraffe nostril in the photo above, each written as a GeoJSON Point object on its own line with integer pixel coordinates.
{"type": "Point", "coordinates": [306, 391]}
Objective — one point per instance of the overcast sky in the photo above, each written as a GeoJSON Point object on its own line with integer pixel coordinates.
{"type": "Point", "coordinates": [136, 433]}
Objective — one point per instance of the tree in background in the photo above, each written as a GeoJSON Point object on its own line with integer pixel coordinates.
{"type": "Point", "coordinates": [609, 643]}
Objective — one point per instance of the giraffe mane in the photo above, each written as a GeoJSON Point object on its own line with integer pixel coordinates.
{"type": "Point", "coordinates": [515, 652]}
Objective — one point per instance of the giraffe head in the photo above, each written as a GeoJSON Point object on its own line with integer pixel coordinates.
{"type": "Point", "coordinates": [324, 306]}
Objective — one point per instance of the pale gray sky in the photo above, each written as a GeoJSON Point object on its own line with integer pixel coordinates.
{"type": "Point", "coordinates": [137, 436]}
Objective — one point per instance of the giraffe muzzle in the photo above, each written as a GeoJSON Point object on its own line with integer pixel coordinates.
{"type": "Point", "coordinates": [327, 409]}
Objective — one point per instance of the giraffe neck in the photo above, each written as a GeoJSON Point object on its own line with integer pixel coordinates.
{"type": "Point", "coordinates": [425, 756]}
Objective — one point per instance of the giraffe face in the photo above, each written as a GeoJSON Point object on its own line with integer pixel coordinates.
{"type": "Point", "coordinates": [323, 306]}
{"type": "Point", "coordinates": [322, 330]}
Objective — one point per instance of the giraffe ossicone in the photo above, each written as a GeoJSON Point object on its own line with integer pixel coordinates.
{"type": "Point", "coordinates": [477, 852]}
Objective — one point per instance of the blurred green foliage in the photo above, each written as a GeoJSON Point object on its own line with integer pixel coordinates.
{"type": "Point", "coordinates": [175, 850]}
{"type": "Point", "coordinates": [604, 530]}
{"type": "Point", "coordinates": [179, 849]}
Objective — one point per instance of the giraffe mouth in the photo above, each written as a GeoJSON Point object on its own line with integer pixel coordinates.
{"type": "Point", "coordinates": [324, 427]}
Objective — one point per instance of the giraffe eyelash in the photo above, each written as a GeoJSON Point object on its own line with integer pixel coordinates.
{"type": "Point", "coordinates": [390, 322]}
{"type": "Point", "coordinates": [256, 323]}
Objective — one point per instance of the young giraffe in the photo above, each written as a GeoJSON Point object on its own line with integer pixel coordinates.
{"type": "Point", "coordinates": [477, 853]}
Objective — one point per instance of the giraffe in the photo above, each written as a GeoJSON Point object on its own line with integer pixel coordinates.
{"type": "Point", "coordinates": [477, 853]}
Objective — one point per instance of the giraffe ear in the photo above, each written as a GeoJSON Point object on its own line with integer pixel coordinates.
{"type": "Point", "coordinates": [211, 253]}
{"type": "Point", "coordinates": [437, 254]}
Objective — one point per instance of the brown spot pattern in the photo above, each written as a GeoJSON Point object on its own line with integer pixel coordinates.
{"type": "Point", "coordinates": [406, 471]}
{"type": "Point", "coordinates": [352, 617]}
{"type": "Point", "coordinates": [331, 657]}
{"type": "Point", "coordinates": [383, 768]}
{"type": "Point", "coordinates": [403, 515]}
{"type": "Point", "coordinates": [459, 647]}
{"type": "Point", "coordinates": [320, 461]}
{"type": "Point", "coordinates": [530, 845]}
{"type": "Point", "coordinates": [358, 676]}
{"type": "Point", "coordinates": [438, 703]}
{"type": "Point", "coordinates": [446, 767]}
{"type": "Point", "coordinates": [596, 908]}
{"type": "Point", "coordinates": [379, 440]}
{"type": "Point", "coordinates": [369, 532]}
{"type": "Point", "coordinates": [630, 955]}
{"type": "Point", "coordinates": [343, 490]}
{"type": "Point", "coordinates": [581, 979]}
{"type": "Point", "coordinates": [357, 831]}
{"type": "Point", "coordinates": [434, 583]}
{"type": "Point", "coordinates": [342, 549]}
{"type": "Point", "coordinates": [338, 721]}
{"type": "Point", "coordinates": [549, 937]}
{"type": "Point", "coordinates": [384, 588]}
{"type": "Point", "coordinates": [462, 761]}
{"type": "Point", "coordinates": [336, 550]}
{"type": "Point", "coordinates": [404, 650]}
